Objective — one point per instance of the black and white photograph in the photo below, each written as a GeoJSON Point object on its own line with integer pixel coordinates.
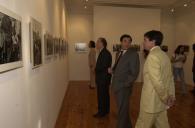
{"type": "Point", "coordinates": [56, 46]}
{"type": "Point", "coordinates": [186, 48]}
{"type": "Point", "coordinates": [81, 47]}
{"type": "Point", "coordinates": [136, 47]}
{"type": "Point", "coordinates": [62, 46]}
{"type": "Point", "coordinates": [36, 43]}
{"type": "Point", "coordinates": [49, 45]}
{"type": "Point", "coordinates": [10, 40]}
{"type": "Point", "coordinates": [116, 47]}
{"type": "Point", "coordinates": [66, 47]}
{"type": "Point", "coordinates": [165, 48]}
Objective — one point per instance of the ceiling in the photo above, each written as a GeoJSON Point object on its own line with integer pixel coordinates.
{"type": "Point", "coordinates": [86, 6]}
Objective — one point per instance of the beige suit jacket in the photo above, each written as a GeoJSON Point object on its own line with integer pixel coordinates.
{"type": "Point", "coordinates": [158, 82]}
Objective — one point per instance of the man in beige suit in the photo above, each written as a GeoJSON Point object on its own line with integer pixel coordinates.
{"type": "Point", "coordinates": [92, 64]}
{"type": "Point", "coordinates": [158, 92]}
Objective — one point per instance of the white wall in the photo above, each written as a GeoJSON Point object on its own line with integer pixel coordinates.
{"type": "Point", "coordinates": [168, 29]}
{"type": "Point", "coordinates": [185, 34]}
{"type": "Point", "coordinates": [80, 29]}
{"type": "Point", "coordinates": [112, 22]}
{"type": "Point", "coordinates": [32, 98]}
{"type": "Point", "coordinates": [106, 21]}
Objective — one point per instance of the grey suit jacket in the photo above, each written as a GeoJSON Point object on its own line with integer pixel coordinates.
{"type": "Point", "coordinates": [126, 71]}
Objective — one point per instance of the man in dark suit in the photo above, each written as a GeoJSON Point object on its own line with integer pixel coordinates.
{"type": "Point", "coordinates": [125, 72]}
{"type": "Point", "coordinates": [193, 69]}
{"type": "Point", "coordinates": [103, 78]}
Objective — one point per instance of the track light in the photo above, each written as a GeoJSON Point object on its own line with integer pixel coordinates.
{"type": "Point", "coordinates": [185, 5]}
{"type": "Point", "coordinates": [172, 10]}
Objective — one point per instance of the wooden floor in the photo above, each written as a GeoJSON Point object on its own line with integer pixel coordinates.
{"type": "Point", "coordinates": [80, 103]}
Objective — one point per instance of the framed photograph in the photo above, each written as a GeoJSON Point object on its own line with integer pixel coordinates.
{"type": "Point", "coordinates": [62, 47]}
{"type": "Point", "coordinates": [186, 48]}
{"type": "Point", "coordinates": [136, 47]}
{"type": "Point", "coordinates": [36, 43]}
{"type": "Point", "coordinates": [48, 45]}
{"type": "Point", "coordinates": [165, 48]}
{"type": "Point", "coordinates": [66, 47]}
{"type": "Point", "coordinates": [10, 40]}
{"type": "Point", "coordinates": [116, 47]}
{"type": "Point", "coordinates": [56, 46]}
{"type": "Point", "coordinates": [81, 47]}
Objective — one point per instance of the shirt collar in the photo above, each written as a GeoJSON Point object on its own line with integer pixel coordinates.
{"type": "Point", "coordinates": [154, 48]}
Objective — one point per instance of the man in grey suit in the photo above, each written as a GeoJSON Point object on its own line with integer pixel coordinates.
{"type": "Point", "coordinates": [125, 72]}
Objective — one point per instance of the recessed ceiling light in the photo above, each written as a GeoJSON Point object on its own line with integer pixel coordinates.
{"type": "Point", "coordinates": [185, 5]}
{"type": "Point", "coordinates": [86, 0]}
{"type": "Point", "coordinates": [172, 10]}
{"type": "Point", "coordinates": [85, 7]}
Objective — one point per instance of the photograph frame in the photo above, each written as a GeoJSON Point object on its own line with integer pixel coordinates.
{"type": "Point", "coordinates": [8, 66]}
{"type": "Point", "coordinates": [35, 25]}
{"type": "Point", "coordinates": [48, 45]}
{"type": "Point", "coordinates": [81, 47]}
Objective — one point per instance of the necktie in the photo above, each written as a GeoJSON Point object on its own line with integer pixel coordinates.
{"type": "Point", "coordinates": [118, 59]}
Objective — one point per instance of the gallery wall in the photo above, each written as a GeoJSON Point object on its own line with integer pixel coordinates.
{"type": "Point", "coordinates": [80, 30]}
{"type": "Point", "coordinates": [31, 98]}
{"type": "Point", "coordinates": [112, 22]}
{"type": "Point", "coordinates": [185, 34]}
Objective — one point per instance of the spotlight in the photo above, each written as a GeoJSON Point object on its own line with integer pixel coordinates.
{"type": "Point", "coordinates": [85, 7]}
{"type": "Point", "coordinates": [172, 10]}
{"type": "Point", "coordinates": [185, 5]}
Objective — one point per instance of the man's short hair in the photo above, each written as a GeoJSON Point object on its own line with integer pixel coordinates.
{"type": "Point", "coordinates": [193, 47]}
{"type": "Point", "coordinates": [125, 36]}
{"type": "Point", "coordinates": [155, 36]}
{"type": "Point", "coordinates": [104, 42]}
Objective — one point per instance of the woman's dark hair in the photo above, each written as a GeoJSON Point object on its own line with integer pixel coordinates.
{"type": "Point", "coordinates": [177, 50]}
{"type": "Point", "coordinates": [193, 46]}
{"type": "Point", "coordinates": [104, 42]}
{"type": "Point", "coordinates": [91, 44]}
{"type": "Point", "coordinates": [156, 36]}
{"type": "Point", "coordinates": [125, 36]}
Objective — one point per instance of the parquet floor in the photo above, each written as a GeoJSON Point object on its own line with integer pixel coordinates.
{"type": "Point", "coordinates": [80, 103]}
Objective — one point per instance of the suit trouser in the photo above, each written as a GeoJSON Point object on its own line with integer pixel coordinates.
{"type": "Point", "coordinates": [122, 98]}
{"type": "Point", "coordinates": [103, 98]}
{"type": "Point", "coordinates": [149, 120]}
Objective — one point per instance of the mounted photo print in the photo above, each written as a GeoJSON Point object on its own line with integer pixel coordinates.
{"type": "Point", "coordinates": [56, 46]}
{"type": "Point", "coordinates": [116, 47]}
{"type": "Point", "coordinates": [10, 40]}
{"type": "Point", "coordinates": [36, 43]}
{"type": "Point", "coordinates": [81, 47]}
{"type": "Point", "coordinates": [136, 47]}
{"type": "Point", "coordinates": [48, 45]}
{"type": "Point", "coordinates": [186, 48]}
{"type": "Point", "coordinates": [165, 48]}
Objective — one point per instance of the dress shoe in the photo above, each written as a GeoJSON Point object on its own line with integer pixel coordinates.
{"type": "Point", "coordinates": [91, 87]}
{"type": "Point", "coordinates": [193, 91]}
{"type": "Point", "coordinates": [99, 115]}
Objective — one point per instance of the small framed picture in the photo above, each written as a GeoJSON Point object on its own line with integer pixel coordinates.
{"type": "Point", "coordinates": [81, 47]}
{"type": "Point", "coordinates": [36, 43]}
{"type": "Point", "coordinates": [116, 47]}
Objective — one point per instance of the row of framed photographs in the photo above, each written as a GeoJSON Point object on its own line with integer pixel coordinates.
{"type": "Point", "coordinates": [11, 42]}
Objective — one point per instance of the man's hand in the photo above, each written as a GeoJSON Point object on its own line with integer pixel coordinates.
{"type": "Point", "coordinates": [170, 101]}
{"type": "Point", "coordinates": [110, 70]}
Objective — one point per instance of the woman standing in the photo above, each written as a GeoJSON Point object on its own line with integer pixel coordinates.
{"type": "Point", "coordinates": [178, 60]}
{"type": "Point", "coordinates": [92, 63]}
